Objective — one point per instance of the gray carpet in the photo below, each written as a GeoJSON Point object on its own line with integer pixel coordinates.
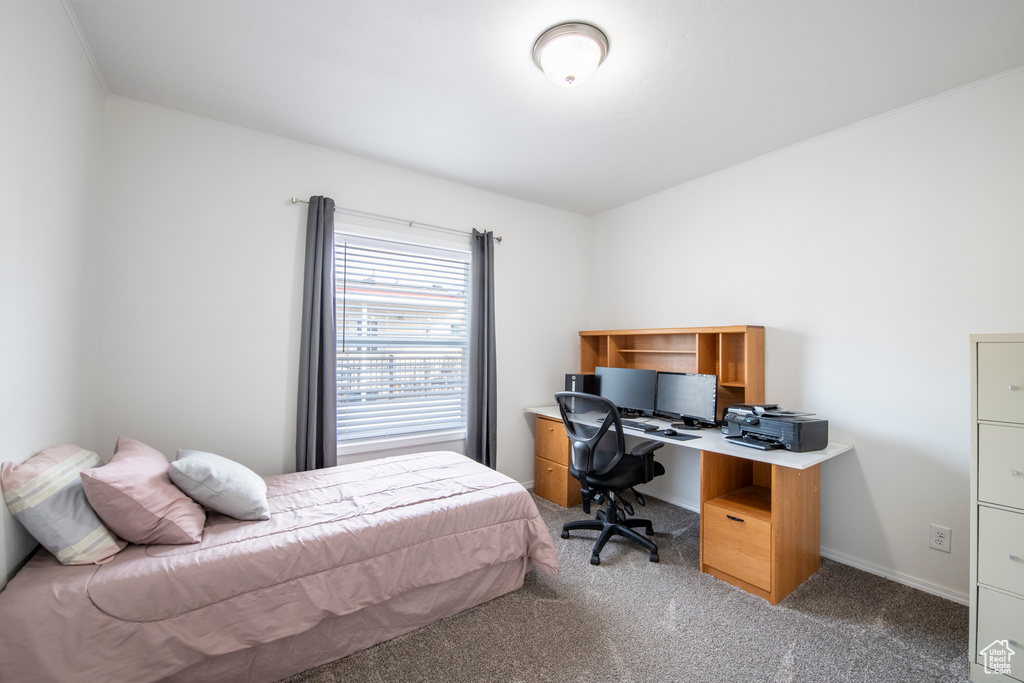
{"type": "Point", "coordinates": [630, 620]}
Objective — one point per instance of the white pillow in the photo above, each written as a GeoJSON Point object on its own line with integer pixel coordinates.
{"type": "Point", "coordinates": [221, 484]}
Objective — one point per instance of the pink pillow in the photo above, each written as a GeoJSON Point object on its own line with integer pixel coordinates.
{"type": "Point", "coordinates": [134, 496]}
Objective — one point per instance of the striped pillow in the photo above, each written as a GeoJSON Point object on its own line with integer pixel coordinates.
{"type": "Point", "coordinates": [45, 494]}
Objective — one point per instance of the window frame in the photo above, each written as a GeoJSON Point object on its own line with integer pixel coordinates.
{"type": "Point", "coordinates": [358, 235]}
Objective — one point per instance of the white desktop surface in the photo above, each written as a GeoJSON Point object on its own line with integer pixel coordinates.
{"type": "Point", "coordinates": [712, 439]}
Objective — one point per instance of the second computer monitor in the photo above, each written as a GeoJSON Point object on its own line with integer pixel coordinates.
{"type": "Point", "coordinates": [630, 389]}
{"type": "Point", "coordinates": [688, 397]}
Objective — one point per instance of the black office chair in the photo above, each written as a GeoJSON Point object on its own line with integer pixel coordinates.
{"type": "Point", "coordinates": [606, 470]}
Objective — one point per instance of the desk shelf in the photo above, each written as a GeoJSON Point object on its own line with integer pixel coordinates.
{"type": "Point", "coordinates": [754, 501]}
{"type": "Point", "coordinates": [668, 351]}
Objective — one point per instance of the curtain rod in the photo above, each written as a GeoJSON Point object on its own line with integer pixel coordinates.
{"type": "Point", "coordinates": [389, 219]}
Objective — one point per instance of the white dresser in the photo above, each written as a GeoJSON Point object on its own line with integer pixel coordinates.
{"type": "Point", "coordinates": [997, 508]}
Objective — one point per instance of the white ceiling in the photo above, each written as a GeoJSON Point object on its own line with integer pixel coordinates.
{"type": "Point", "coordinates": [449, 88]}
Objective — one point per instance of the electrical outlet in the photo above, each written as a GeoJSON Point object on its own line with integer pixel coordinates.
{"type": "Point", "coordinates": [940, 538]}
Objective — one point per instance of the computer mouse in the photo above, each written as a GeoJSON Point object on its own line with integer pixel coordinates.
{"type": "Point", "coordinates": [670, 432]}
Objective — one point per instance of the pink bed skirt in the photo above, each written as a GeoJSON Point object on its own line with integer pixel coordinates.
{"type": "Point", "coordinates": [339, 637]}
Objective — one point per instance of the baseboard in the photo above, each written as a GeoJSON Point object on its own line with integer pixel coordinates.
{"type": "Point", "coordinates": [660, 495]}
{"type": "Point", "coordinates": [913, 582]}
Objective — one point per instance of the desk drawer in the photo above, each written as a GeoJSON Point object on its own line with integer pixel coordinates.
{"type": "Point", "coordinates": [553, 482]}
{"type": "Point", "coordinates": [1001, 549]}
{"type": "Point", "coordinates": [552, 441]}
{"type": "Point", "coordinates": [738, 544]}
{"type": "Point", "coordinates": [1001, 465]}
{"type": "Point", "coordinates": [1000, 617]}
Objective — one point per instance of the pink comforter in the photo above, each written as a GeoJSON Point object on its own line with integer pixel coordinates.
{"type": "Point", "coordinates": [338, 540]}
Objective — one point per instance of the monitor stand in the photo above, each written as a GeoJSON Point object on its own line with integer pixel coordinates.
{"type": "Point", "coordinates": [687, 423]}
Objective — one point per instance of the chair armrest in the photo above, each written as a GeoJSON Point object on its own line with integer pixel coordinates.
{"type": "Point", "coordinates": [645, 448]}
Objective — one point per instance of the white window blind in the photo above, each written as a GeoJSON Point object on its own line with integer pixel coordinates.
{"type": "Point", "coordinates": [403, 338]}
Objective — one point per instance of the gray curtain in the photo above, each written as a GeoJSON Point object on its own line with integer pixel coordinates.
{"type": "Point", "coordinates": [316, 442]}
{"type": "Point", "coordinates": [482, 429]}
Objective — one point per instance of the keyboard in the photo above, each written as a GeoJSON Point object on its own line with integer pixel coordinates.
{"type": "Point", "coordinates": [642, 426]}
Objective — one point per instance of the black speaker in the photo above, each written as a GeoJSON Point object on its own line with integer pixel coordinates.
{"type": "Point", "coordinates": [583, 382]}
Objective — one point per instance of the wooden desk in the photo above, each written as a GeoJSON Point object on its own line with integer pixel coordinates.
{"type": "Point", "coordinates": [760, 512]}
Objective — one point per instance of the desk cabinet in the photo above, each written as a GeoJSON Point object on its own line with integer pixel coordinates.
{"type": "Point", "coordinates": [997, 507]}
{"type": "Point", "coordinates": [551, 478]}
{"type": "Point", "coordinates": [740, 527]}
{"type": "Point", "coordinates": [759, 524]}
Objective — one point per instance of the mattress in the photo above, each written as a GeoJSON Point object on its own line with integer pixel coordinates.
{"type": "Point", "coordinates": [343, 545]}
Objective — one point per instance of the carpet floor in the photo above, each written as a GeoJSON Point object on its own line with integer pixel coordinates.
{"type": "Point", "coordinates": [631, 620]}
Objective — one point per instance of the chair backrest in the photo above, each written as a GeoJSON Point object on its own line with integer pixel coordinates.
{"type": "Point", "coordinates": [595, 430]}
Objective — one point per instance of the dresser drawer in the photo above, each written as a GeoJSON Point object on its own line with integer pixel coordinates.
{"type": "Point", "coordinates": [1000, 618]}
{"type": "Point", "coordinates": [1001, 549]}
{"type": "Point", "coordinates": [738, 544]}
{"type": "Point", "coordinates": [1001, 381]}
{"type": "Point", "coordinates": [1001, 465]}
{"type": "Point", "coordinates": [552, 441]}
{"type": "Point", "coordinates": [553, 482]}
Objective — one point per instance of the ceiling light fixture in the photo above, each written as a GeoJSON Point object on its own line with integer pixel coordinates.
{"type": "Point", "coordinates": [569, 54]}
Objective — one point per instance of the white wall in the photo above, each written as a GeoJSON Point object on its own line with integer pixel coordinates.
{"type": "Point", "coordinates": [201, 273]}
{"type": "Point", "coordinates": [870, 255]}
{"type": "Point", "coordinates": [51, 118]}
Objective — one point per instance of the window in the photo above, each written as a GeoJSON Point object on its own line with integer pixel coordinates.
{"type": "Point", "coordinates": [403, 340]}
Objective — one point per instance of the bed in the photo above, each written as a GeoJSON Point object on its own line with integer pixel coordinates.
{"type": "Point", "coordinates": [351, 556]}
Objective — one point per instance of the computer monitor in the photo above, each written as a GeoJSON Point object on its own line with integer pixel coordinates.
{"type": "Point", "coordinates": [630, 389]}
{"type": "Point", "coordinates": [690, 398]}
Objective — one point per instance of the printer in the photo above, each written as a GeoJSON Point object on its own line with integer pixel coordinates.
{"type": "Point", "coordinates": [772, 426]}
